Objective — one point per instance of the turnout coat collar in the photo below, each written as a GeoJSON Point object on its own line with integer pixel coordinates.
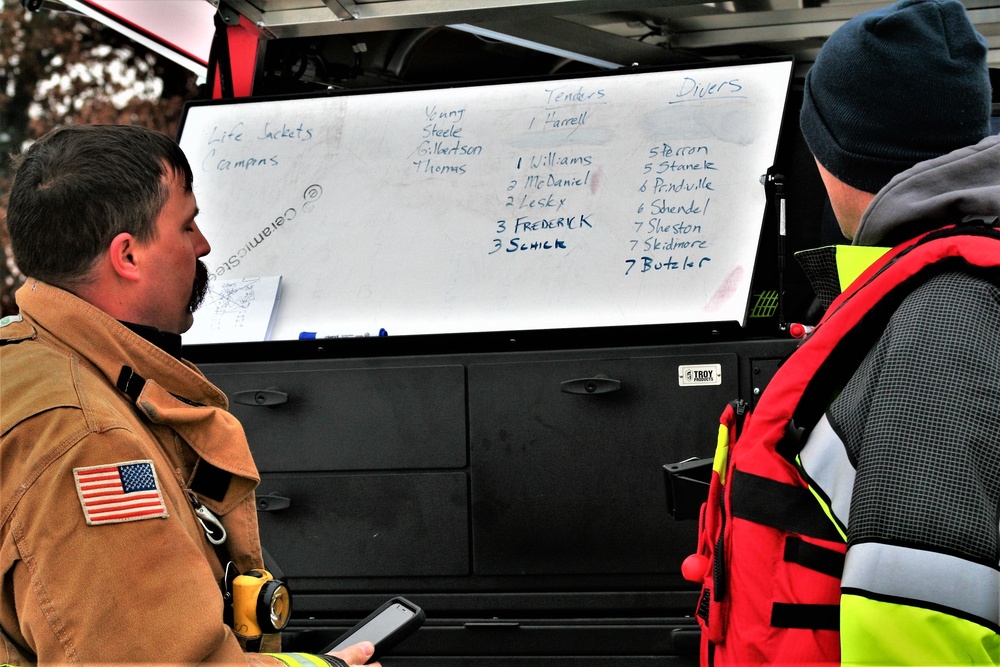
{"type": "Point", "coordinates": [175, 393]}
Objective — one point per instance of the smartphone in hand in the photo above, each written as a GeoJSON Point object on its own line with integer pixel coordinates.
{"type": "Point", "coordinates": [385, 627]}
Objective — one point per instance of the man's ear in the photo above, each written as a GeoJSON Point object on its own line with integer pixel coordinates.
{"type": "Point", "coordinates": [122, 255]}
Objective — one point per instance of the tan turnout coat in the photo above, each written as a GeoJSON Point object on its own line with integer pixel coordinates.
{"type": "Point", "coordinates": [143, 590]}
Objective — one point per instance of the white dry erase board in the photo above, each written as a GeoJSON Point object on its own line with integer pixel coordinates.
{"type": "Point", "coordinates": [609, 200]}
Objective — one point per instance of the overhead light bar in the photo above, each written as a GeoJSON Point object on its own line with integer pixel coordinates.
{"type": "Point", "coordinates": [535, 46]}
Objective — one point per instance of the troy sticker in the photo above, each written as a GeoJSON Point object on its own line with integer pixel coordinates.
{"type": "Point", "coordinates": [699, 374]}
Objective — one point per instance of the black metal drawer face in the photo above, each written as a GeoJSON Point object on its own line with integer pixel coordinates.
{"type": "Point", "coordinates": [394, 418]}
{"type": "Point", "coordinates": [366, 525]}
{"type": "Point", "coordinates": [567, 460]}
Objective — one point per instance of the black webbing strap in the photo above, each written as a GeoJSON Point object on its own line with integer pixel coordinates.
{"type": "Point", "coordinates": [779, 505]}
{"type": "Point", "coordinates": [210, 481]}
{"type": "Point", "coordinates": [794, 510]}
{"type": "Point", "coordinates": [805, 616]}
{"type": "Point", "coordinates": [814, 557]}
{"type": "Point", "coordinates": [130, 383]}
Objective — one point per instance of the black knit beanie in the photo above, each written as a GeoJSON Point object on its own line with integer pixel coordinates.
{"type": "Point", "coordinates": [894, 87]}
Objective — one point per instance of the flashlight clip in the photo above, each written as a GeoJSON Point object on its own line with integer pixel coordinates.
{"type": "Point", "coordinates": [215, 532]}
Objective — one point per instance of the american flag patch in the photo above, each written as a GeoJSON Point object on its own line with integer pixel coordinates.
{"type": "Point", "coordinates": [119, 492]}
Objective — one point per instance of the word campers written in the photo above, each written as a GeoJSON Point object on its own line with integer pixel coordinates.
{"type": "Point", "coordinates": [240, 148]}
{"type": "Point", "coordinates": [119, 492]}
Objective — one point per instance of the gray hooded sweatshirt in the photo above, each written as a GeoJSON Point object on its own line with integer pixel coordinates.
{"type": "Point", "coordinates": [963, 182]}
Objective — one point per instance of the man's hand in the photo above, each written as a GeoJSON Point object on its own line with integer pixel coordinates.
{"type": "Point", "coordinates": [357, 654]}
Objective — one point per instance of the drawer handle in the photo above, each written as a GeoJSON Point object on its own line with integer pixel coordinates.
{"type": "Point", "coordinates": [272, 503]}
{"type": "Point", "coordinates": [599, 384]}
{"type": "Point", "coordinates": [266, 397]}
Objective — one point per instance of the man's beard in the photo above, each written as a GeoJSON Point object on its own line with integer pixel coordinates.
{"type": "Point", "coordinates": [200, 288]}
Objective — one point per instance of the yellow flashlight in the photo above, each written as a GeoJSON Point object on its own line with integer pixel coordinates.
{"type": "Point", "coordinates": [261, 604]}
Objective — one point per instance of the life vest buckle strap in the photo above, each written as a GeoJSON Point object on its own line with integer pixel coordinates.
{"type": "Point", "coordinates": [805, 616]}
{"type": "Point", "coordinates": [814, 557]}
{"type": "Point", "coordinates": [779, 505]}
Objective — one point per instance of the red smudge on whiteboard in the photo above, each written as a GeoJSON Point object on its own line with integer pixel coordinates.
{"type": "Point", "coordinates": [595, 181]}
{"type": "Point", "coordinates": [726, 290]}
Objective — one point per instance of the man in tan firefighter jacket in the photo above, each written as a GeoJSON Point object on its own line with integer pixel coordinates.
{"type": "Point", "coordinates": [854, 516]}
{"type": "Point", "coordinates": [125, 484]}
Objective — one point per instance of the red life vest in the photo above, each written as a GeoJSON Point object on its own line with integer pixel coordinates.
{"type": "Point", "coordinates": [769, 558]}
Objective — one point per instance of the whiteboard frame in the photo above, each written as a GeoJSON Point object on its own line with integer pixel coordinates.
{"type": "Point", "coordinates": [520, 332]}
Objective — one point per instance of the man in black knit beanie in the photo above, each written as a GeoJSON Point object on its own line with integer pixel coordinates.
{"type": "Point", "coordinates": [861, 501]}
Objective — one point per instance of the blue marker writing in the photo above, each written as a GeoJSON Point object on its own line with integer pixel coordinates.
{"type": "Point", "coordinates": [312, 335]}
